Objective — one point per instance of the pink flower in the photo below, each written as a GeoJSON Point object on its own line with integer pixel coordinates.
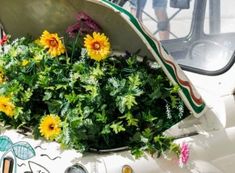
{"type": "Point", "coordinates": [3, 40]}
{"type": "Point", "coordinates": [82, 16]}
{"type": "Point", "coordinates": [84, 25]}
{"type": "Point", "coordinates": [184, 154]}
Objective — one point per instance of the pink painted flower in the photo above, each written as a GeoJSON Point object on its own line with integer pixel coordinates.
{"type": "Point", "coordinates": [3, 40]}
{"type": "Point", "coordinates": [184, 154]}
{"type": "Point", "coordinates": [84, 25]}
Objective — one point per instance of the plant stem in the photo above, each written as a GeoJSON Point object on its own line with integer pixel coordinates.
{"type": "Point", "coordinates": [74, 44]}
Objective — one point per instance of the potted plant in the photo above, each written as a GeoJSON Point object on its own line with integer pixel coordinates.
{"type": "Point", "coordinates": [78, 92]}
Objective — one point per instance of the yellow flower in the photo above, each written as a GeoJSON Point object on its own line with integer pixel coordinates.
{"type": "Point", "coordinates": [24, 63]}
{"type": "Point", "coordinates": [97, 45]}
{"type": "Point", "coordinates": [52, 43]}
{"type": "Point", "coordinates": [7, 106]}
{"type": "Point", "coordinates": [50, 126]}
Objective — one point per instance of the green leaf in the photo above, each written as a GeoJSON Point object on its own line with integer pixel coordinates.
{"type": "Point", "coordinates": [134, 80]}
{"type": "Point", "coordinates": [147, 133]}
{"type": "Point", "coordinates": [54, 106]}
{"type": "Point", "coordinates": [75, 121]}
{"type": "Point", "coordinates": [101, 117]}
{"type": "Point", "coordinates": [157, 140]}
{"type": "Point", "coordinates": [93, 90]}
{"type": "Point", "coordinates": [47, 95]}
{"type": "Point", "coordinates": [116, 86]}
{"type": "Point", "coordinates": [137, 152]}
{"type": "Point", "coordinates": [131, 60]}
{"type": "Point", "coordinates": [97, 72]}
{"type": "Point", "coordinates": [144, 140]}
{"type": "Point", "coordinates": [175, 148]}
{"type": "Point", "coordinates": [148, 117]}
{"type": "Point", "coordinates": [156, 94]}
{"type": "Point", "coordinates": [117, 127]}
{"type": "Point", "coordinates": [65, 109]}
{"type": "Point", "coordinates": [72, 97]}
{"type": "Point", "coordinates": [87, 111]}
{"type": "Point", "coordinates": [127, 101]}
{"type": "Point", "coordinates": [175, 89]}
{"type": "Point", "coordinates": [174, 101]}
{"type": "Point", "coordinates": [64, 137]}
{"type": "Point", "coordinates": [106, 130]}
{"type": "Point", "coordinates": [61, 86]}
{"type": "Point", "coordinates": [27, 95]}
{"type": "Point", "coordinates": [131, 120]}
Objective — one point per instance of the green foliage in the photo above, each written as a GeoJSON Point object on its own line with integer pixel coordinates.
{"type": "Point", "coordinates": [111, 103]}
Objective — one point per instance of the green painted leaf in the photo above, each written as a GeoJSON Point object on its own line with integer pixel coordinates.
{"type": "Point", "coordinates": [23, 150]}
{"type": "Point", "coordinates": [5, 143]}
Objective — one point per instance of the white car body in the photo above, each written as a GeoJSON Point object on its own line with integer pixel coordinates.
{"type": "Point", "coordinates": [210, 133]}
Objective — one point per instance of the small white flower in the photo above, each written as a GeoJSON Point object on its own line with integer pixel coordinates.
{"type": "Point", "coordinates": [181, 110]}
{"type": "Point", "coordinates": [168, 111]}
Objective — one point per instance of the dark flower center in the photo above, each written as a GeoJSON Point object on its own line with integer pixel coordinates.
{"type": "Point", "coordinates": [4, 105]}
{"type": "Point", "coordinates": [53, 42]}
{"type": "Point", "coordinates": [96, 45]}
{"type": "Point", "coordinates": [51, 126]}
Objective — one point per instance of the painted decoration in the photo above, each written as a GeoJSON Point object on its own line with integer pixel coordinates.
{"type": "Point", "coordinates": [20, 153]}
{"type": "Point", "coordinates": [20, 150]}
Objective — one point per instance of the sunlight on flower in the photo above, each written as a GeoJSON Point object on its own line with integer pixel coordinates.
{"type": "Point", "coordinates": [50, 126]}
{"type": "Point", "coordinates": [52, 43]}
{"type": "Point", "coordinates": [98, 46]}
{"type": "Point", "coordinates": [7, 106]}
{"type": "Point", "coordinates": [24, 63]}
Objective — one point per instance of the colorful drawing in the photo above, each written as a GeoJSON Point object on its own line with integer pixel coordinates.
{"type": "Point", "coordinates": [21, 150]}
{"type": "Point", "coordinates": [8, 164]}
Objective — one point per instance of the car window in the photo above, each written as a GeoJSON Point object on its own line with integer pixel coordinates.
{"type": "Point", "coordinates": [213, 51]}
{"type": "Point", "coordinates": [163, 21]}
{"type": "Point", "coordinates": [227, 18]}
{"type": "Point", "coordinates": [196, 43]}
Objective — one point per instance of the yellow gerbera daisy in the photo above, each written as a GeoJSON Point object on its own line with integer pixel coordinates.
{"type": "Point", "coordinates": [52, 43]}
{"type": "Point", "coordinates": [50, 126]}
{"type": "Point", "coordinates": [7, 106]}
{"type": "Point", "coordinates": [97, 45]}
